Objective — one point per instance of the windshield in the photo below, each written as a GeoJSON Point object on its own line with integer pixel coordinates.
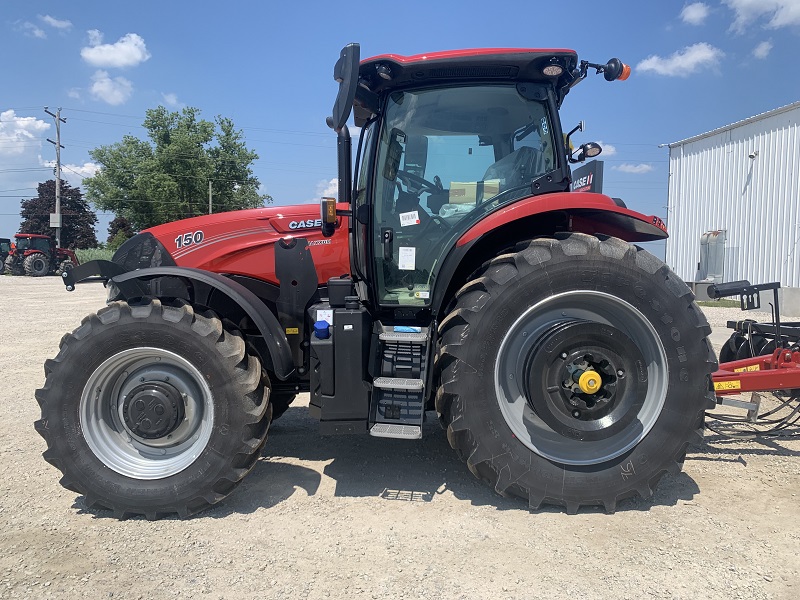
{"type": "Point", "coordinates": [445, 156]}
{"type": "Point", "coordinates": [23, 243]}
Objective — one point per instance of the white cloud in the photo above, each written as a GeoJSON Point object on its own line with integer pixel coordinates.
{"type": "Point", "coordinates": [32, 30]}
{"type": "Point", "coordinates": [695, 13]}
{"type": "Point", "coordinates": [635, 169]}
{"type": "Point", "coordinates": [171, 100]}
{"type": "Point", "coordinates": [18, 132]}
{"type": "Point", "coordinates": [328, 188]}
{"type": "Point", "coordinates": [129, 51]}
{"type": "Point", "coordinates": [95, 37]}
{"type": "Point", "coordinates": [70, 171]}
{"type": "Point", "coordinates": [112, 91]}
{"type": "Point", "coordinates": [683, 62]}
{"type": "Point", "coordinates": [74, 93]}
{"type": "Point", "coordinates": [779, 13]}
{"type": "Point", "coordinates": [608, 149]}
{"type": "Point", "coordinates": [762, 50]}
{"type": "Point", "coordinates": [57, 23]}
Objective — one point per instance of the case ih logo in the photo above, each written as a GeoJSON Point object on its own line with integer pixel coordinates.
{"type": "Point", "coordinates": [305, 224]}
{"type": "Point", "coordinates": [584, 184]}
{"type": "Point", "coordinates": [588, 178]}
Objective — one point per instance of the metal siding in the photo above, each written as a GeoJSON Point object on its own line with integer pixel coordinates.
{"type": "Point", "coordinates": [713, 185]}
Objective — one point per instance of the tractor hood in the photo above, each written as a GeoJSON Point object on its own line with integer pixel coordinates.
{"type": "Point", "coordinates": [238, 242]}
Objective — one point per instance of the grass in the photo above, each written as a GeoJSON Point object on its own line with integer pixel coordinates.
{"type": "Point", "coordinates": [94, 254]}
{"type": "Point", "coordinates": [720, 303]}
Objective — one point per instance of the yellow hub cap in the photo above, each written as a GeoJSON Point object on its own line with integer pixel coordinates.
{"type": "Point", "coordinates": [590, 382]}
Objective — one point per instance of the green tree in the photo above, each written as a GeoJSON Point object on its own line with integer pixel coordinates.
{"type": "Point", "coordinates": [167, 178]}
{"type": "Point", "coordinates": [119, 231]}
{"type": "Point", "coordinates": [120, 225]}
{"type": "Point", "coordinates": [77, 220]}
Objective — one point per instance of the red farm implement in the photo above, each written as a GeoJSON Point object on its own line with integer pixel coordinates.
{"type": "Point", "coordinates": [758, 358]}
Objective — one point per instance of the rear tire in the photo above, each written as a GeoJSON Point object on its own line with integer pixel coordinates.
{"type": "Point", "coordinates": [36, 265]}
{"type": "Point", "coordinates": [512, 348]}
{"type": "Point", "coordinates": [153, 409]}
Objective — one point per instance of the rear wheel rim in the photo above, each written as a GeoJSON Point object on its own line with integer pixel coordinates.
{"type": "Point", "coordinates": [147, 375]}
{"type": "Point", "coordinates": [513, 376]}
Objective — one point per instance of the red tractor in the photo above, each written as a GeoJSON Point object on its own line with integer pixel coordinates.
{"type": "Point", "coordinates": [457, 274]}
{"type": "Point", "coordinates": [37, 255]}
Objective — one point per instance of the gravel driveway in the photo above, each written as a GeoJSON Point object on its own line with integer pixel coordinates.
{"type": "Point", "coordinates": [360, 517]}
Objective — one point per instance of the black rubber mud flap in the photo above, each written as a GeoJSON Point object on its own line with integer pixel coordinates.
{"type": "Point", "coordinates": [294, 267]}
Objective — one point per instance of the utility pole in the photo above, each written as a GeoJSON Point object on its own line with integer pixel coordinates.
{"type": "Point", "coordinates": [209, 196]}
{"type": "Point", "coordinates": [55, 218]}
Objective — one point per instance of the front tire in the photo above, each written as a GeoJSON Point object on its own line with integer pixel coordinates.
{"type": "Point", "coordinates": [64, 266]}
{"type": "Point", "coordinates": [574, 371]}
{"type": "Point", "coordinates": [12, 266]}
{"type": "Point", "coordinates": [153, 409]}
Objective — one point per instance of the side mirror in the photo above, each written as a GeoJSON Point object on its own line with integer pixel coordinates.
{"type": "Point", "coordinates": [328, 215]}
{"type": "Point", "coordinates": [587, 150]}
{"type": "Point", "coordinates": [346, 73]}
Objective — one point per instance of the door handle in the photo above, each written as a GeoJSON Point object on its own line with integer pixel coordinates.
{"type": "Point", "coordinates": [387, 235]}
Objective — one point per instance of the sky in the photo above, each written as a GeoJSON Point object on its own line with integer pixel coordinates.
{"type": "Point", "coordinates": [268, 66]}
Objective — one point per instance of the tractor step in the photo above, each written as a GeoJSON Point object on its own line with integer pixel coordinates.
{"type": "Point", "coordinates": [398, 398]}
{"type": "Point", "coordinates": [398, 383]}
{"type": "Point", "coordinates": [390, 430]}
{"type": "Point", "coordinates": [414, 337]}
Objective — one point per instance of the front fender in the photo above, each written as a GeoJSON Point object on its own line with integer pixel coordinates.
{"type": "Point", "coordinates": [200, 285]}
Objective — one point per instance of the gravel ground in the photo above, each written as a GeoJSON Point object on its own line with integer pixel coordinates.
{"type": "Point", "coordinates": [368, 518]}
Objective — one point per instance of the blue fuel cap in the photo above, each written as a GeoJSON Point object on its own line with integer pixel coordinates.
{"type": "Point", "coordinates": [322, 330]}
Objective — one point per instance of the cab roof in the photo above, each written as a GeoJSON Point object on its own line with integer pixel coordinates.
{"type": "Point", "coordinates": [504, 64]}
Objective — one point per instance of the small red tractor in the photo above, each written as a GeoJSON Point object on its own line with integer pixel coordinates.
{"type": "Point", "coordinates": [456, 274]}
{"type": "Point", "coordinates": [37, 255]}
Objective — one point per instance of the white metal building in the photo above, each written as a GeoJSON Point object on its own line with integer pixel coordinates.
{"type": "Point", "coordinates": [743, 180]}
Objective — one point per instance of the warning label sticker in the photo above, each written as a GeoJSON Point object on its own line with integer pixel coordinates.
{"type": "Point", "coordinates": [407, 261]}
{"type": "Point", "coordinates": [409, 218]}
{"type": "Point", "coordinates": [727, 385]}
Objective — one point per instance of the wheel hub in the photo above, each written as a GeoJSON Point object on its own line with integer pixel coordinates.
{"type": "Point", "coordinates": [153, 410]}
{"type": "Point", "coordinates": [577, 380]}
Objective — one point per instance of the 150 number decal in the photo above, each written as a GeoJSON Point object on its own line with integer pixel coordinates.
{"type": "Point", "coordinates": [187, 239]}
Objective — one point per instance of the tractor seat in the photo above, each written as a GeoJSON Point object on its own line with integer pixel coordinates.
{"type": "Point", "coordinates": [516, 168]}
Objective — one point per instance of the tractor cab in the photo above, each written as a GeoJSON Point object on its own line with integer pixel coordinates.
{"type": "Point", "coordinates": [446, 139]}
{"type": "Point", "coordinates": [34, 242]}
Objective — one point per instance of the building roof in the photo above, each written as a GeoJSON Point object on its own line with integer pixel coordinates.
{"type": "Point", "coordinates": [769, 113]}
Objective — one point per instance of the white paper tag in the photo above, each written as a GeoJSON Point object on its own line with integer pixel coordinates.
{"type": "Point", "coordinates": [409, 218]}
{"type": "Point", "coordinates": [408, 258]}
{"type": "Point", "coordinates": [423, 295]}
{"type": "Point", "coordinates": [325, 315]}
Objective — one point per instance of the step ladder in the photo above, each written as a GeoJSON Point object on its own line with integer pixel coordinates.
{"type": "Point", "coordinates": [398, 395]}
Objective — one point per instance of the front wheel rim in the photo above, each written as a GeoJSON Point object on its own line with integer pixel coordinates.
{"type": "Point", "coordinates": [146, 376]}
{"type": "Point", "coordinates": [512, 375]}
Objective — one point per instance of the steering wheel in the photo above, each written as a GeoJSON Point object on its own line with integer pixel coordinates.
{"type": "Point", "coordinates": [433, 187]}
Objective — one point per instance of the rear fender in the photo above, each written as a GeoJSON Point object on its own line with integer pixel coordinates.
{"type": "Point", "coordinates": [545, 215]}
{"type": "Point", "coordinates": [587, 213]}
{"type": "Point", "coordinates": [225, 296]}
